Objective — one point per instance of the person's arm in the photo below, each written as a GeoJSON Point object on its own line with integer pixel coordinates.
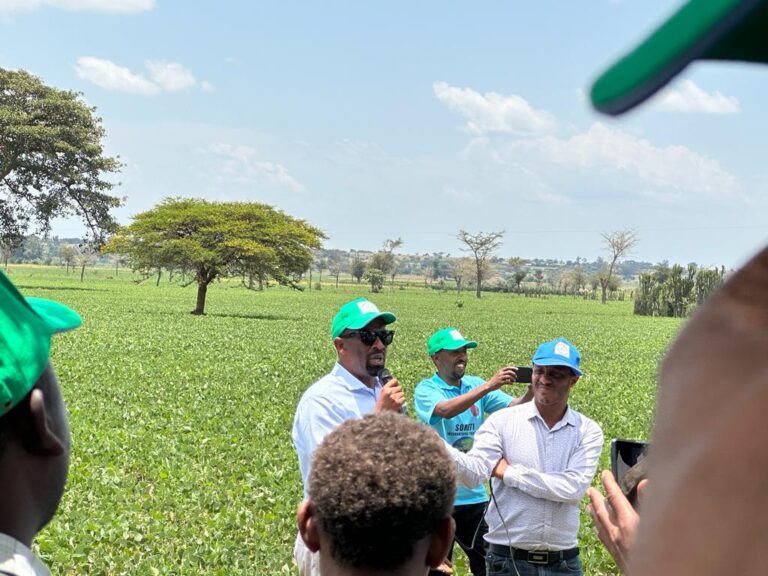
{"type": "Point", "coordinates": [570, 485]}
{"type": "Point", "coordinates": [318, 417]}
{"type": "Point", "coordinates": [455, 406]}
{"type": "Point", "coordinates": [474, 467]}
{"type": "Point", "coordinates": [616, 522]}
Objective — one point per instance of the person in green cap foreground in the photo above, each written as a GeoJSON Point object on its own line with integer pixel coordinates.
{"type": "Point", "coordinates": [542, 456]}
{"type": "Point", "coordinates": [351, 390]}
{"type": "Point", "coordinates": [455, 405]}
{"type": "Point", "coordinates": [380, 496]}
{"type": "Point", "coordinates": [34, 432]}
{"type": "Point", "coordinates": [705, 511]}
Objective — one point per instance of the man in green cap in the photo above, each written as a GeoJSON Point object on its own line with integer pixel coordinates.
{"type": "Point", "coordinates": [455, 405]}
{"type": "Point", "coordinates": [352, 389]}
{"type": "Point", "coordinates": [705, 508]}
{"type": "Point", "coordinates": [34, 432]}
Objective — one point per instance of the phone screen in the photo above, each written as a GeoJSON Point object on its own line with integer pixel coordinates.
{"type": "Point", "coordinates": [625, 454]}
{"type": "Point", "coordinates": [524, 374]}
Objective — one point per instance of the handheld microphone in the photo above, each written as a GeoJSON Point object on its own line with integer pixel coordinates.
{"type": "Point", "coordinates": [385, 376]}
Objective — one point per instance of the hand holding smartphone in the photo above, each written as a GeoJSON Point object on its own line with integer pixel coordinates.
{"type": "Point", "coordinates": [628, 465]}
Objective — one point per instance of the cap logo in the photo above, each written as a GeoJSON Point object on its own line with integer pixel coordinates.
{"type": "Point", "coordinates": [562, 349]}
{"type": "Point", "coordinates": [367, 307]}
{"type": "Point", "coordinates": [456, 335]}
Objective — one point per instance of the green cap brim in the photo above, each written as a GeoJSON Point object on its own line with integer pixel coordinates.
{"type": "Point", "coordinates": [701, 29]}
{"type": "Point", "coordinates": [26, 327]}
{"type": "Point", "coordinates": [59, 318]}
{"type": "Point", "coordinates": [366, 319]}
{"type": "Point", "coordinates": [456, 345]}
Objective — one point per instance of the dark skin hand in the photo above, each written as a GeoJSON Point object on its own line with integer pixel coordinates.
{"type": "Point", "coordinates": [616, 521]}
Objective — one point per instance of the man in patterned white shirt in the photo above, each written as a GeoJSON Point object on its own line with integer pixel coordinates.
{"type": "Point", "coordinates": [542, 456]}
{"type": "Point", "coordinates": [34, 432]}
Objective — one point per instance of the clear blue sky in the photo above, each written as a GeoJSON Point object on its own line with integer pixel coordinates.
{"type": "Point", "coordinates": [375, 120]}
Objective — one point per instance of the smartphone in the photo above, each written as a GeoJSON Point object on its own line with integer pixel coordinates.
{"type": "Point", "coordinates": [625, 456]}
{"type": "Point", "coordinates": [524, 374]}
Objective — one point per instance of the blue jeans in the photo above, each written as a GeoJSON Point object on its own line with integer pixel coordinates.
{"type": "Point", "coordinates": [505, 566]}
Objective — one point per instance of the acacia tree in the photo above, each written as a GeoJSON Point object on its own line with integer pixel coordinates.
{"type": "Point", "coordinates": [461, 268]}
{"type": "Point", "coordinates": [482, 246]}
{"type": "Point", "coordinates": [218, 239]}
{"type": "Point", "coordinates": [519, 272]}
{"type": "Point", "coordinates": [52, 163]}
{"type": "Point", "coordinates": [390, 245]}
{"type": "Point", "coordinates": [618, 244]}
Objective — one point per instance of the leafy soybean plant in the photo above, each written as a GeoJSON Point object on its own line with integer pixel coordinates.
{"type": "Point", "coordinates": [182, 460]}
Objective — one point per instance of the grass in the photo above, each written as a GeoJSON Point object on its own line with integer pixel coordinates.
{"type": "Point", "coordinates": [182, 460]}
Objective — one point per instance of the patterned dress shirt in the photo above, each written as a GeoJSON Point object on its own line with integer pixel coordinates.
{"type": "Point", "coordinates": [536, 507]}
{"type": "Point", "coordinates": [18, 560]}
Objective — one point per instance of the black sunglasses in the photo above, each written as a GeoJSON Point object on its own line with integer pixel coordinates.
{"type": "Point", "coordinates": [368, 337]}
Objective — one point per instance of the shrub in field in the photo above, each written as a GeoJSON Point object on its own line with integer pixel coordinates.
{"type": "Point", "coordinates": [675, 291]}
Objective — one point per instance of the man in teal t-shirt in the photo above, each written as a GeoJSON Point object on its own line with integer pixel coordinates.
{"type": "Point", "coordinates": [456, 405]}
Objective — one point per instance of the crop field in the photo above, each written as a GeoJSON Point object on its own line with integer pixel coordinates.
{"type": "Point", "coordinates": [182, 461]}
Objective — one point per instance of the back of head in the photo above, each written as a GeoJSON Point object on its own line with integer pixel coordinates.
{"type": "Point", "coordinates": [378, 486]}
{"type": "Point", "coordinates": [34, 432]}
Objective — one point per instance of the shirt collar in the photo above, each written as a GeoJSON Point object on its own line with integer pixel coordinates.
{"type": "Point", "coordinates": [443, 384]}
{"type": "Point", "coordinates": [17, 559]}
{"type": "Point", "coordinates": [568, 419]}
{"type": "Point", "coordinates": [349, 379]}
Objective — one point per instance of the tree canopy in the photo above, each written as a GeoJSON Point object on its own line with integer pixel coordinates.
{"type": "Point", "coordinates": [619, 243]}
{"type": "Point", "coordinates": [216, 239]}
{"type": "Point", "coordinates": [52, 163]}
{"type": "Point", "coordinates": [482, 246]}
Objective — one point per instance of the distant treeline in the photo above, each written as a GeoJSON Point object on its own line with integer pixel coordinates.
{"type": "Point", "coordinates": [657, 289]}
{"type": "Point", "coordinates": [675, 291]}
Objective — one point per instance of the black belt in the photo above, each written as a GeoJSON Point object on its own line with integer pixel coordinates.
{"type": "Point", "coordinates": [534, 556]}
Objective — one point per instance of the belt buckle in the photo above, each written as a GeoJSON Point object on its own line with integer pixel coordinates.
{"type": "Point", "coordinates": [538, 557]}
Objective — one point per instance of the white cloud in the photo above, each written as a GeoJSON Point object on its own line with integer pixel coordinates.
{"type": "Point", "coordinates": [170, 76]}
{"type": "Point", "coordinates": [165, 76]}
{"type": "Point", "coordinates": [113, 6]}
{"type": "Point", "coordinates": [674, 173]}
{"type": "Point", "coordinates": [494, 113]}
{"type": "Point", "coordinates": [111, 76]}
{"type": "Point", "coordinates": [687, 96]}
{"type": "Point", "coordinates": [241, 164]}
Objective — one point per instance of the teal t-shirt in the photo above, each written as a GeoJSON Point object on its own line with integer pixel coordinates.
{"type": "Point", "coordinates": [458, 431]}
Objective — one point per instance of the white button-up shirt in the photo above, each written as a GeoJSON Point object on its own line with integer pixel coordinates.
{"type": "Point", "coordinates": [536, 507]}
{"type": "Point", "coordinates": [336, 397]}
{"type": "Point", "coordinates": [18, 560]}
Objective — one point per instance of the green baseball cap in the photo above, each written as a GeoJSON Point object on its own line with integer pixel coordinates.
{"type": "Point", "coordinates": [448, 339]}
{"type": "Point", "coordinates": [700, 30]}
{"type": "Point", "coordinates": [357, 314]}
{"type": "Point", "coordinates": [26, 327]}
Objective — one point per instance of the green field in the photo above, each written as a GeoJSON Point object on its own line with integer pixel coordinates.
{"type": "Point", "coordinates": [182, 461]}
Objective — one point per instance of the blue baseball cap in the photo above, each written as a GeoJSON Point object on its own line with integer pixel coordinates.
{"type": "Point", "coordinates": [558, 352]}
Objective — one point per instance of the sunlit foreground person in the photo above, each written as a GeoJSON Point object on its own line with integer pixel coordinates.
{"type": "Point", "coordinates": [381, 492]}
{"type": "Point", "coordinates": [706, 507]}
{"type": "Point", "coordinates": [34, 432]}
